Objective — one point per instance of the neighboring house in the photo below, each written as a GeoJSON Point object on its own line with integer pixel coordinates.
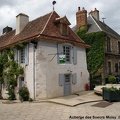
{"type": "Point", "coordinates": [111, 44]}
{"type": "Point", "coordinates": [54, 57]}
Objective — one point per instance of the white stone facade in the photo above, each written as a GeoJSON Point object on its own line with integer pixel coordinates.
{"type": "Point", "coordinates": [42, 72]}
{"type": "Point", "coordinates": [47, 71]}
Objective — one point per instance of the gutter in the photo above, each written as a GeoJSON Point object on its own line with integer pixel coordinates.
{"type": "Point", "coordinates": [34, 71]}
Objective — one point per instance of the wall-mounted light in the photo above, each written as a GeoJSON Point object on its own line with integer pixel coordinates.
{"type": "Point", "coordinates": [34, 42]}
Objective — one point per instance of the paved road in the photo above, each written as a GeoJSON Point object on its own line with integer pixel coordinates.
{"type": "Point", "coordinates": [52, 111]}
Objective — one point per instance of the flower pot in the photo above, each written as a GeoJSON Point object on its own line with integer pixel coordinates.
{"type": "Point", "coordinates": [111, 95]}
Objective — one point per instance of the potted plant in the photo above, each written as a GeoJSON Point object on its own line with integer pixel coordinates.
{"type": "Point", "coordinates": [111, 94]}
{"type": "Point", "coordinates": [112, 79]}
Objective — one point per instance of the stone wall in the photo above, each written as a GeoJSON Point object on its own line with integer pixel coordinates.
{"type": "Point", "coordinates": [48, 70]}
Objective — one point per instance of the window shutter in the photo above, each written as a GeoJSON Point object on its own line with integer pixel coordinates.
{"type": "Point", "coordinates": [74, 55]}
{"type": "Point", "coordinates": [74, 78]}
{"type": "Point", "coordinates": [26, 54]}
{"type": "Point", "coordinates": [15, 55]}
{"type": "Point", "coordinates": [61, 79]}
{"type": "Point", "coordinates": [59, 51]}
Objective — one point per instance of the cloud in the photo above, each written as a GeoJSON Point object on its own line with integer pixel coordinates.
{"type": "Point", "coordinates": [36, 8]}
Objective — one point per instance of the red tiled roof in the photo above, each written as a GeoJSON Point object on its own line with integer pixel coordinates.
{"type": "Point", "coordinates": [42, 27]}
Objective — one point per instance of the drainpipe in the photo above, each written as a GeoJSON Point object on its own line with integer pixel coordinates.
{"type": "Point", "coordinates": [34, 71]}
{"type": "Point", "coordinates": [34, 49]}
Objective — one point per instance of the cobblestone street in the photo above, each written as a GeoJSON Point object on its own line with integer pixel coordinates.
{"type": "Point", "coordinates": [52, 111]}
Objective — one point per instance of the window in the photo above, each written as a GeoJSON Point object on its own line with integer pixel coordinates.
{"type": "Point", "coordinates": [64, 29]}
{"type": "Point", "coordinates": [66, 52]}
{"type": "Point", "coordinates": [67, 78]}
{"type": "Point", "coordinates": [22, 55]}
{"type": "Point", "coordinates": [116, 67]}
{"type": "Point", "coordinates": [119, 47]}
{"type": "Point", "coordinates": [108, 45]}
{"type": "Point", "coordinates": [109, 68]}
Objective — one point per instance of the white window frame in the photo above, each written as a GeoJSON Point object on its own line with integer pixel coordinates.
{"type": "Point", "coordinates": [22, 55]}
{"type": "Point", "coordinates": [67, 53]}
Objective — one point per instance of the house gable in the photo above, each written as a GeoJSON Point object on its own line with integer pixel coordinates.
{"type": "Point", "coordinates": [96, 26]}
{"type": "Point", "coordinates": [41, 28]}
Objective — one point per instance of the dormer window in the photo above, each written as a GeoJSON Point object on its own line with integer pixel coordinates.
{"type": "Point", "coordinates": [64, 30]}
{"type": "Point", "coordinates": [63, 25]}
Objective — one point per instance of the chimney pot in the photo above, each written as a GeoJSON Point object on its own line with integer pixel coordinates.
{"type": "Point", "coordinates": [81, 19]}
{"type": "Point", "coordinates": [21, 21]}
{"type": "Point", "coordinates": [95, 14]}
{"type": "Point", "coordinates": [78, 9]}
{"type": "Point", "coordinates": [7, 29]}
{"type": "Point", "coordinates": [95, 9]}
{"type": "Point", "coordinates": [83, 8]}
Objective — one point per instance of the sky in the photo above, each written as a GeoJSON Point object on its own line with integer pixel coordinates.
{"type": "Point", "coordinates": [9, 9]}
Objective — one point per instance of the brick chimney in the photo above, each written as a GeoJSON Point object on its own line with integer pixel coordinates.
{"type": "Point", "coordinates": [81, 19]}
{"type": "Point", "coordinates": [7, 29]}
{"type": "Point", "coordinates": [95, 14]}
{"type": "Point", "coordinates": [21, 22]}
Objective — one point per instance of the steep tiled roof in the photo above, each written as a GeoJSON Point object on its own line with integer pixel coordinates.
{"type": "Point", "coordinates": [6, 39]}
{"type": "Point", "coordinates": [41, 28]}
{"type": "Point", "coordinates": [92, 25]}
{"type": "Point", "coordinates": [100, 26]}
{"type": "Point", "coordinates": [96, 26]}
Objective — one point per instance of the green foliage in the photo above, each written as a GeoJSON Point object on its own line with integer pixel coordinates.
{"type": "Point", "coordinates": [24, 94]}
{"type": "Point", "coordinates": [112, 79]}
{"type": "Point", "coordinates": [111, 89]}
{"type": "Point", "coordinates": [11, 93]}
{"type": "Point", "coordinates": [20, 46]}
{"type": "Point", "coordinates": [95, 54]}
{"type": "Point", "coordinates": [30, 99]}
{"type": "Point", "coordinates": [9, 70]}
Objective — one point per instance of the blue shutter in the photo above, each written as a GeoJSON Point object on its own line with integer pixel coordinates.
{"type": "Point", "coordinates": [59, 51]}
{"type": "Point", "coordinates": [26, 54]}
{"type": "Point", "coordinates": [15, 55]}
{"type": "Point", "coordinates": [61, 79]}
{"type": "Point", "coordinates": [74, 78]}
{"type": "Point", "coordinates": [74, 55]}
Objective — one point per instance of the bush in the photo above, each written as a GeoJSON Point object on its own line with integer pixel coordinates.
{"type": "Point", "coordinates": [112, 79]}
{"type": "Point", "coordinates": [11, 93]}
{"type": "Point", "coordinates": [30, 100]}
{"type": "Point", "coordinates": [24, 94]}
{"type": "Point", "coordinates": [111, 89]}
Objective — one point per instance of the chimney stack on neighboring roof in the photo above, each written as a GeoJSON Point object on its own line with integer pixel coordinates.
{"type": "Point", "coordinates": [7, 29]}
{"type": "Point", "coordinates": [21, 22]}
{"type": "Point", "coordinates": [95, 14]}
{"type": "Point", "coordinates": [81, 18]}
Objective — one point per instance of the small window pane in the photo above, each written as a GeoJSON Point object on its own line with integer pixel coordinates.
{"type": "Point", "coordinates": [66, 52]}
{"type": "Point", "coordinates": [67, 78]}
{"type": "Point", "coordinates": [22, 55]}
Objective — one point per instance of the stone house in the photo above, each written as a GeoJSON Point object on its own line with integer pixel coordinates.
{"type": "Point", "coordinates": [54, 57]}
{"type": "Point", "coordinates": [92, 24]}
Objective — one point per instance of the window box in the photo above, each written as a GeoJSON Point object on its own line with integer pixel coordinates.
{"type": "Point", "coordinates": [111, 94]}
